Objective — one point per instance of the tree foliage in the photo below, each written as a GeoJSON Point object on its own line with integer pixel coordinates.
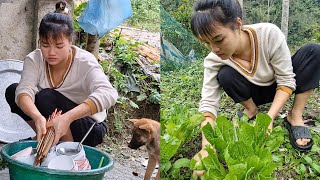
{"type": "Point", "coordinates": [304, 17]}
{"type": "Point", "coordinates": [145, 15]}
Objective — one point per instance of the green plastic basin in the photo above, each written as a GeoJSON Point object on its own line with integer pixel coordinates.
{"type": "Point", "coordinates": [21, 171]}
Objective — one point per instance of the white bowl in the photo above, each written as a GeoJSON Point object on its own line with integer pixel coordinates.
{"type": "Point", "coordinates": [51, 154]}
{"type": "Point", "coordinates": [62, 163]}
{"type": "Point", "coordinates": [79, 159]}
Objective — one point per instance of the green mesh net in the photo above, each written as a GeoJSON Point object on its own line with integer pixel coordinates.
{"type": "Point", "coordinates": [179, 46]}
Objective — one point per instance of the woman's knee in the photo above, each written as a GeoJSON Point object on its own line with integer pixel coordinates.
{"type": "Point", "coordinates": [227, 76]}
{"type": "Point", "coordinates": [307, 60]}
{"type": "Point", "coordinates": [81, 126]}
{"type": "Point", "coordinates": [45, 96]}
{"type": "Point", "coordinates": [45, 93]}
{"type": "Point", "coordinates": [11, 92]}
{"type": "Point", "coordinates": [312, 48]}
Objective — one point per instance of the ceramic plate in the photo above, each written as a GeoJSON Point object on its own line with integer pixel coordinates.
{"type": "Point", "coordinates": [12, 126]}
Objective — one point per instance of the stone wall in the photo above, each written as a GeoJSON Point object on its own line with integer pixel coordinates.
{"type": "Point", "coordinates": [16, 32]}
{"type": "Point", "coordinates": [19, 21]}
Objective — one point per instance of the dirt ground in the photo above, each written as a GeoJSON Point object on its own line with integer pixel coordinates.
{"type": "Point", "coordinates": [151, 38]}
{"type": "Point", "coordinates": [129, 160]}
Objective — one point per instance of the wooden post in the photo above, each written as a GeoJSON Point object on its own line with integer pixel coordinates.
{"type": "Point", "coordinates": [241, 4]}
{"type": "Point", "coordinates": [285, 17]}
{"type": "Point", "coordinates": [92, 44]}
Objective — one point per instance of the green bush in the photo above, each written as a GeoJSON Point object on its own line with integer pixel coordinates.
{"type": "Point", "coordinates": [145, 15]}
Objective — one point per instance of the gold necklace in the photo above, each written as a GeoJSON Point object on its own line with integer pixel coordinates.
{"type": "Point", "coordinates": [65, 73]}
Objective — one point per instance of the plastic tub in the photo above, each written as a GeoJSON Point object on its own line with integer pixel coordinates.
{"type": "Point", "coordinates": [19, 170]}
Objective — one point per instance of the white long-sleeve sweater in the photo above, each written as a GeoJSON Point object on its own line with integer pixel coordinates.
{"type": "Point", "coordinates": [85, 81]}
{"type": "Point", "coordinates": [270, 62]}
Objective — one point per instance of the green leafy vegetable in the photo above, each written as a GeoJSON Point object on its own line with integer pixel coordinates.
{"type": "Point", "coordinates": [242, 151]}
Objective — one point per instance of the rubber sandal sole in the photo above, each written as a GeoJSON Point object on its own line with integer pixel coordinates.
{"type": "Point", "coordinates": [293, 140]}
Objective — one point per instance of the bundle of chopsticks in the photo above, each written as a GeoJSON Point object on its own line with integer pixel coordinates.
{"type": "Point", "coordinates": [46, 141]}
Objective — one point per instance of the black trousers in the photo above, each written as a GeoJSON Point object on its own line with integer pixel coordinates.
{"type": "Point", "coordinates": [47, 100]}
{"type": "Point", "coordinates": [306, 66]}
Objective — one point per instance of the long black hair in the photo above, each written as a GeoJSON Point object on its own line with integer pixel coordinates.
{"type": "Point", "coordinates": [209, 13]}
{"type": "Point", "coordinates": [54, 25]}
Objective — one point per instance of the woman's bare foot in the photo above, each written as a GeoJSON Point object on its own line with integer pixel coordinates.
{"type": "Point", "coordinates": [296, 120]}
{"type": "Point", "coordinates": [250, 113]}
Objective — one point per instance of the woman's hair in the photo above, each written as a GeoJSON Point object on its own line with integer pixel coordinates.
{"type": "Point", "coordinates": [55, 25]}
{"type": "Point", "coordinates": [209, 13]}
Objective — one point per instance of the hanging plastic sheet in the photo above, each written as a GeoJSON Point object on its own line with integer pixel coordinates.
{"type": "Point", "coordinates": [102, 16]}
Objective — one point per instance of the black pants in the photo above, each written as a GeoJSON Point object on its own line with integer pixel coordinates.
{"type": "Point", "coordinates": [47, 100]}
{"type": "Point", "coordinates": [306, 66]}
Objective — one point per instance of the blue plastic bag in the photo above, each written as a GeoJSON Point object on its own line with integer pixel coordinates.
{"type": "Point", "coordinates": [102, 16]}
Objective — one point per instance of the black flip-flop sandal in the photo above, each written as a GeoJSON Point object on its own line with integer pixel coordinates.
{"type": "Point", "coordinates": [241, 114]}
{"type": "Point", "coordinates": [299, 132]}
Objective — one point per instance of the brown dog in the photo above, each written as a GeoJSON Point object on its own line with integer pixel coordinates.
{"type": "Point", "coordinates": [147, 132]}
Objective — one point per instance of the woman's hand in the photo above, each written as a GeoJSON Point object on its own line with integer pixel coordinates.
{"type": "Point", "coordinates": [279, 101]}
{"type": "Point", "coordinates": [40, 123]}
{"type": "Point", "coordinates": [61, 126]}
{"type": "Point", "coordinates": [203, 153]}
{"type": "Point", "coordinates": [61, 123]}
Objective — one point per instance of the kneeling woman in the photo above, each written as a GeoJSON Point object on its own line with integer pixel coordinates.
{"type": "Point", "coordinates": [60, 75]}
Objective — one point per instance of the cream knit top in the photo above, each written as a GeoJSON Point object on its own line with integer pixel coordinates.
{"type": "Point", "coordinates": [84, 81]}
{"type": "Point", "coordinates": [270, 62]}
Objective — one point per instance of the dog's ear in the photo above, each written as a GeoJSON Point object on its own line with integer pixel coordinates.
{"type": "Point", "coordinates": [131, 122]}
{"type": "Point", "coordinates": [148, 127]}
